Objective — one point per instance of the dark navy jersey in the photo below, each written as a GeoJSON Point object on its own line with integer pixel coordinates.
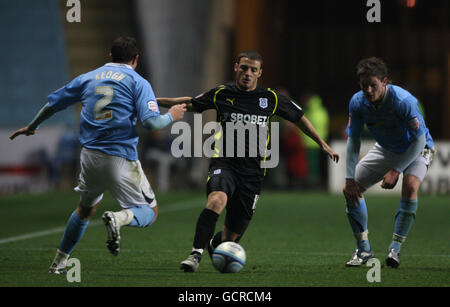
{"type": "Point", "coordinates": [247, 112]}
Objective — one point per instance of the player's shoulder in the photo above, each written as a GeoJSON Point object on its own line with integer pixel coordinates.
{"type": "Point", "coordinates": [217, 89]}
{"type": "Point", "coordinates": [226, 86]}
{"type": "Point", "coordinates": [357, 99]}
{"type": "Point", "coordinates": [135, 76]}
{"type": "Point", "coordinates": [400, 95]}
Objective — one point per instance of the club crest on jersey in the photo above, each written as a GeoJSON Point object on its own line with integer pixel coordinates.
{"type": "Point", "coordinates": [263, 103]}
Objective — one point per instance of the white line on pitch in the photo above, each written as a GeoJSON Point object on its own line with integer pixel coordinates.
{"type": "Point", "coordinates": [164, 209]}
{"type": "Point", "coordinates": [320, 254]}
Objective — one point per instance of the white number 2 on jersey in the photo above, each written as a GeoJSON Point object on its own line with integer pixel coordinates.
{"type": "Point", "coordinates": [107, 92]}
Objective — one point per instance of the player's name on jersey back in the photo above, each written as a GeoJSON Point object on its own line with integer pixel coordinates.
{"type": "Point", "coordinates": [114, 75]}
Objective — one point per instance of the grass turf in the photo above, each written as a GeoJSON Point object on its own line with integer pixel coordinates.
{"type": "Point", "coordinates": [295, 239]}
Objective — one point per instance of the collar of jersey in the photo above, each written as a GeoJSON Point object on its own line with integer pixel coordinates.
{"type": "Point", "coordinates": [119, 65]}
{"type": "Point", "coordinates": [236, 88]}
{"type": "Point", "coordinates": [367, 102]}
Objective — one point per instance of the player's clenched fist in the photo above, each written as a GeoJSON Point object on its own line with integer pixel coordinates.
{"type": "Point", "coordinates": [177, 111]}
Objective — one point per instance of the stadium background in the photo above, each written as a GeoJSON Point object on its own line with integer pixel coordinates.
{"type": "Point", "coordinates": [188, 46]}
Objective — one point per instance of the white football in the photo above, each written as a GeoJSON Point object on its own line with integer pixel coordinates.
{"type": "Point", "coordinates": [229, 257]}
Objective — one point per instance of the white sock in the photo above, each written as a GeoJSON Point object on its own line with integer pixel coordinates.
{"type": "Point", "coordinates": [124, 217]}
{"type": "Point", "coordinates": [198, 250]}
{"type": "Point", "coordinates": [60, 260]}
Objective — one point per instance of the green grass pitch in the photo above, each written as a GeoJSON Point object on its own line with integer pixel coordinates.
{"type": "Point", "coordinates": [295, 239]}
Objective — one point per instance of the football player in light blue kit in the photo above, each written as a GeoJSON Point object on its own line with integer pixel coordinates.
{"type": "Point", "coordinates": [403, 145]}
{"type": "Point", "coordinates": [112, 98]}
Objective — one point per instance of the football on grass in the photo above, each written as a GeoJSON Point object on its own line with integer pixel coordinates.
{"type": "Point", "coordinates": [229, 257]}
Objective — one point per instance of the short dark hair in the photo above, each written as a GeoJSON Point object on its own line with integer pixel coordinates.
{"type": "Point", "coordinates": [251, 55]}
{"type": "Point", "coordinates": [373, 67]}
{"type": "Point", "coordinates": [124, 49]}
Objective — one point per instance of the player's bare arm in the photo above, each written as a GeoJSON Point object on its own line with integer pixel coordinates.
{"type": "Point", "coordinates": [169, 102]}
{"type": "Point", "coordinates": [45, 113]}
{"type": "Point", "coordinates": [306, 127]}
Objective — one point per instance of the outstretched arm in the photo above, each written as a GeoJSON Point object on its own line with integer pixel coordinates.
{"type": "Point", "coordinates": [306, 127]}
{"type": "Point", "coordinates": [169, 102]}
{"type": "Point", "coordinates": [45, 113]}
{"type": "Point", "coordinates": [159, 122]}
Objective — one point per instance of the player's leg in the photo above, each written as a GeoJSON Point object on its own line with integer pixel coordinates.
{"type": "Point", "coordinates": [204, 230]}
{"type": "Point", "coordinates": [220, 185]}
{"type": "Point", "coordinates": [91, 194]}
{"type": "Point", "coordinates": [358, 219]}
{"type": "Point", "coordinates": [225, 235]}
{"type": "Point", "coordinates": [240, 210]}
{"type": "Point", "coordinates": [207, 220]}
{"type": "Point", "coordinates": [73, 233]}
{"type": "Point", "coordinates": [406, 212]}
{"type": "Point", "coordinates": [404, 219]}
{"type": "Point", "coordinates": [369, 171]}
{"type": "Point", "coordinates": [131, 189]}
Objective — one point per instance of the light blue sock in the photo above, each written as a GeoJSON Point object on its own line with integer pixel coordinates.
{"type": "Point", "coordinates": [404, 219]}
{"type": "Point", "coordinates": [143, 216]}
{"type": "Point", "coordinates": [357, 216]}
{"type": "Point", "coordinates": [72, 235]}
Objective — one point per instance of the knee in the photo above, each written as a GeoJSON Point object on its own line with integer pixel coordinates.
{"type": "Point", "coordinates": [410, 187]}
{"type": "Point", "coordinates": [143, 216]}
{"type": "Point", "coordinates": [217, 201]}
{"type": "Point", "coordinates": [85, 213]}
{"type": "Point", "coordinates": [410, 193]}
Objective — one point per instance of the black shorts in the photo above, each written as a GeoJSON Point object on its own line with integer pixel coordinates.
{"type": "Point", "coordinates": [242, 193]}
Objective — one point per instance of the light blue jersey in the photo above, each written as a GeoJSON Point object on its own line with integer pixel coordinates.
{"type": "Point", "coordinates": [394, 125]}
{"type": "Point", "coordinates": [112, 97]}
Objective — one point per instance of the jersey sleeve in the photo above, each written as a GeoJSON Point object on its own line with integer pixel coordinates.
{"type": "Point", "coordinates": [355, 121]}
{"type": "Point", "coordinates": [409, 112]}
{"type": "Point", "coordinates": [204, 101]}
{"type": "Point", "coordinates": [288, 109]}
{"type": "Point", "coordinates": [145, 100]}
{"type": "Point", "coordinates": [67, 95]}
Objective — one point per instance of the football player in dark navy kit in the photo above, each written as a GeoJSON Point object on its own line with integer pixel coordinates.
{"type": "Point", "coordinates": [235, 182]}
